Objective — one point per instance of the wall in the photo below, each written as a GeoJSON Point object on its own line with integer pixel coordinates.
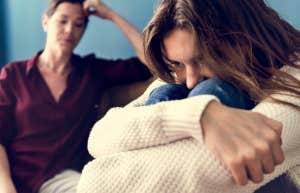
{"type": "Point", "coordinates": [2, 34]}
{"type": "Point", "coordinates": [288, 9]}
{"type": "Point", "coordinates": [24, 33]}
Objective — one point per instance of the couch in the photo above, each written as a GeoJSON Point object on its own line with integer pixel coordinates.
{"type": "Point", "coordinates": [119, 96]}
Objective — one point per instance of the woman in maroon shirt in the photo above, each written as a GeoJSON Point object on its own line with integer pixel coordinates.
{"type": "Point", "coordinates": [47, 103]}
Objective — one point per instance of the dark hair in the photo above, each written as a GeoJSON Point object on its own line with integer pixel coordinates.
{"type": "Point", "coordinates": [244, 42]}
{"type": "Point", "coordinates": [53, 4]}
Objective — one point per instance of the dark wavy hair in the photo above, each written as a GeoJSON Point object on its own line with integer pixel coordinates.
{"type": "Point", "coordinates": [244, 42]}
{"type": "Point", "coordinates": [53, 4]}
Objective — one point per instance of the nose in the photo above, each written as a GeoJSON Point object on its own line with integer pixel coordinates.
{"type": "Point", "coordinates": [192, 76]}
{"type": "Point", "coordinates": [69, 28]}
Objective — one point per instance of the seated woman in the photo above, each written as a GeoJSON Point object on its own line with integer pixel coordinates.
{"type": "Point", "coordinates": [197, 144]}
{"type": "Point", "coordinates": [48, 103]}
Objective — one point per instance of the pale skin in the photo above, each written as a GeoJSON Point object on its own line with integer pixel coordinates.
{"type": "Point", "coordinates": [252, 146]}
{"type": "Point", "coordinates": [6, 183]}
{"type": "Point", "coordinates": [132, 33]}
{"type": "Point", "coordinates": [65, 29]}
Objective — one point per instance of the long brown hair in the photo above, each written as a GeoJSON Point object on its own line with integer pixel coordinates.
{"type": "Point", "coordinates": [244, 42]}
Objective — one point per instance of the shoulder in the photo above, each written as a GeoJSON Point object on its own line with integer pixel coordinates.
{"type": "Point", "coordinates": [89, 59]}
{"type": "Point", "coordinates": [13, 68]}
{"type": "Point", "coordinates": [93, 59]}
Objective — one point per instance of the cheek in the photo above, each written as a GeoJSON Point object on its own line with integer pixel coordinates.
{"type": "Point", "coordinates": [79, 34]}
{"type": "Point", "coordinates": [53, 34]}
{"type": "Point", "coordinates": [54, 31]}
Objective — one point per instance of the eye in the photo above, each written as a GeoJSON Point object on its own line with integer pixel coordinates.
{"type": "Point", "coordinates": [79, 25]}
{"type": "Point", "coordinates": [62, 21]}
{"type": "Point", "coordinates": [176, 65]}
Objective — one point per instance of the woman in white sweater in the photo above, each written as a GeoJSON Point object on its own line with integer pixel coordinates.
{"type": "Point", "coordinates": [197, 144]}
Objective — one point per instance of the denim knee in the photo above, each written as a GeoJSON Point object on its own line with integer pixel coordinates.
{"type": "Point", "coordinates": [167, 92]}
{"type": "Point", "coordinates": [226, 93]}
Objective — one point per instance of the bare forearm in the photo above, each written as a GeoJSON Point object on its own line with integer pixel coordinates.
{"type": "Point", "coordinates": [132, 33]}
{"type": "Point", "coordinates": [6, 183]}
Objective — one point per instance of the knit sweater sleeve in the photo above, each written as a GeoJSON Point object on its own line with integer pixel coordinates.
{"type": "Point", "coordinates": [136, 126]}
{"type": "Point", "coordinates": [180, 166]}
{"type": "Point", "coordinates": [290, 118]}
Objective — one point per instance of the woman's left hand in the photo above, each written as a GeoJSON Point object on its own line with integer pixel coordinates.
{"type": "Point", "coordinates": [98, 8]}
{"type": "Point", "coordinates": [248, 143]}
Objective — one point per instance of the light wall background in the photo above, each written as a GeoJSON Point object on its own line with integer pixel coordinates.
{"type": "Point", "coordinates": [22, 36]}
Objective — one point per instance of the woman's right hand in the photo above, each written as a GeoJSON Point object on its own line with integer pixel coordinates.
{"type": "Point", "coordinates": [247, 143]}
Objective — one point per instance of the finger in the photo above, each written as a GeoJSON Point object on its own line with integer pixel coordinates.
{"type": "Point", "coordinates": [268, 165]}
{"type": "Point", "coordinates": [274, 141]}
{"type": "Point", "coordinates": [278, 155]}
{"type": "Point", "coordinates": [275, 125]}
{"type": "Point", "coordinates": [238, 172]}
{"type": "Point", "coordinates": [86, 6]}
{"type": "Point", "coordinates": [267, 149]}
{"type": "Point", "coordinates": [254, 170]}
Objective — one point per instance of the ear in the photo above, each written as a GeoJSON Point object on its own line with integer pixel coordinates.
{"type": "Point", "coordinates": [45, 19]}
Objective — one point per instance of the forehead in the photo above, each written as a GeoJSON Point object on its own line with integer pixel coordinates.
{"type": "Point", "coordinates": [74, 10]}
{"type": "Point", "coordinates": [179, 45]}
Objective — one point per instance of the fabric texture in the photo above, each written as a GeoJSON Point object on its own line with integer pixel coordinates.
{"type": "Point", "coordinates": [148, 149]}
{"type": "Point", "coordinates": [226, 93]}
{"type": "Point", "coordinates": [42, 136]}
{"type": "Point", "coordinates": [64, 182]}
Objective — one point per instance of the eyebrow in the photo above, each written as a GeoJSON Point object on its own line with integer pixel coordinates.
{"type": "Point", "coordinates": [78, 18]}
{"type": "Point", "coordinates": [174, 61]}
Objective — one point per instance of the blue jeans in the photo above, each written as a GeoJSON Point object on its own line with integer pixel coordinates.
{"type": "Point", "coordinates": [226, 93]}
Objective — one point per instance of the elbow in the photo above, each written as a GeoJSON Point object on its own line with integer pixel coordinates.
{"type": "Point", "coordinates": [96, 142]}
{"type": "Point", "coordinates": [91, 145]}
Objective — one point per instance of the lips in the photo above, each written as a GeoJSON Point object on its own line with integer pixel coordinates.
{"type": "Point", "coordinates": [67, 40]}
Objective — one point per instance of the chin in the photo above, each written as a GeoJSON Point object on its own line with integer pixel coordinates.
{"type": "Point", "coordinates": [65, 51]}
{"type": "Point", "coordinates": [66, 48]}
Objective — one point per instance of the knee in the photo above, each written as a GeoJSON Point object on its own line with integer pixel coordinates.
{"type": "Point", "coordinates": [209, 86]}
{"type": "Point", "coordinates": [224, 91]}
{"type": "Point", "coordinates": [167, 92]}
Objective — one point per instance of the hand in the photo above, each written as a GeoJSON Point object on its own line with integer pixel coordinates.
{"type": "Point", "coordinates": [248, 143]}
{"type": "Point", "coordinates": [98, 8]}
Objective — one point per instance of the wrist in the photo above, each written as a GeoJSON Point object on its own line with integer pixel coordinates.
{"type": "Point", "coordinates": [212, 110]}
{"type": "Point", "coordinates": [113, 16]}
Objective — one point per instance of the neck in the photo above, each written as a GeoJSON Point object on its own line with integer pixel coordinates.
{"type": "Point", "coordinates": [55, 63]}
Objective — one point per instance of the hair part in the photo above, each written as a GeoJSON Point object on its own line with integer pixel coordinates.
{"type": "Point", "coordinates": [244, 42]}
{"type": "Point", "coordinates": [53, 4]}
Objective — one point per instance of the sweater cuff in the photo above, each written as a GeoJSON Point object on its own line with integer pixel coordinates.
{"type": "Point", "coordinates": [181, 118]}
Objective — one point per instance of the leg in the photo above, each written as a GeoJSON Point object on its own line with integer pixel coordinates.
{"type": "Point", "coordinates": [227, 93]}
{"type": "Point", "coordinates": [64, 182]}
{"type": "Point", "coordinates": [167, 92]}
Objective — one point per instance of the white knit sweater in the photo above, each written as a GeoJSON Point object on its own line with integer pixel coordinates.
{"type": "Point", "coordinates": [145, 149]}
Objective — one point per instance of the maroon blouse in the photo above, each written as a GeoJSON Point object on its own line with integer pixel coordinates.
{"type": "Point", "coordinates": [42, 136]}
